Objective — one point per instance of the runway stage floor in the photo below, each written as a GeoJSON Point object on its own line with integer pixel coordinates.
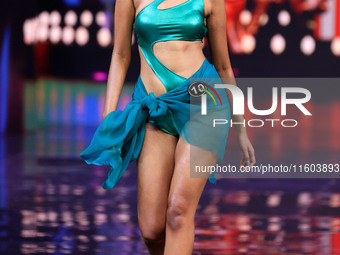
{"type": "Point", "coordinates": [52, 203]}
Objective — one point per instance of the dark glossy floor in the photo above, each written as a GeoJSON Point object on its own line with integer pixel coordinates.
{"type": "Point", "coordinates": [52, 202]}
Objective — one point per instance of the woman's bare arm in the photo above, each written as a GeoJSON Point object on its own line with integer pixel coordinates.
{"type": "Point", "coordinates": [121, 54]}
{"type": "Point", "coordinates": [217, 39]}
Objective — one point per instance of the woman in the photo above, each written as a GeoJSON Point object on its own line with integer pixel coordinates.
{"type": "Point", "coordinates": [170, 36]}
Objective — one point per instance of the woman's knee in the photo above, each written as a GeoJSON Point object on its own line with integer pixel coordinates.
{"type": "Point", "coordinates": [152, 228]}
{"type": "Point", "coordinates": [178, 213]}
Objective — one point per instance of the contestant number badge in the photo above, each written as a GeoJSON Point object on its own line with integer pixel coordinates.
{"type": "Point", "coordinates": [197, 88]}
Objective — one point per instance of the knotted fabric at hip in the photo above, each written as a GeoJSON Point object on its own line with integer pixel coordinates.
{"type": "Point", "coordinates": [119, 138]}
{"type": "Point", "coordinates": [155, 105]}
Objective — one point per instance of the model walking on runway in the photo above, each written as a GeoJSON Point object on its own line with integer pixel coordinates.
{"type": "Point", "coordinates": [169, 35]}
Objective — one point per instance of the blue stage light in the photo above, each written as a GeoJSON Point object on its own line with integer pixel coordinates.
{"type": "Point", "coordinates": [72, 2]}
{"type": "Point", "coordinates": [4, 69]}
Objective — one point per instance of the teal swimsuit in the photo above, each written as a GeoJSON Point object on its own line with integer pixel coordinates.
{"type": "Point", "coordinates": [119, 138]}
{"type": "Point", "coordinates": [184, 21]}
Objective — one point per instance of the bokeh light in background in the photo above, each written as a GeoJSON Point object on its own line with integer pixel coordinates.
{"type": "Point", "coordinates": [322, 25]}
{"type": "Point", "coordinates": [284, 18]}
{"type": "Point", "coordinates": [70, 18]}
{"type": "Point", "coordinates": [86, 18]}
{"type": "Point", "coordinates": [104, 37]}
{"type": "Point", "coordinates": [43, 32]}
{"type": "Point", "coordinates": [68, 35]}
{"type": "Point", "coordinates": [44, 18]}
{"type": "Point", "coordinates": [101, 19]}
{"type": "Point", "coordinates": [278, 44]}
{"type": "Point", "coordinates": [55, 34]}
{"type": "Point", "coordinates": [308, 45]}
{"type": "Point", "coordinates": [99, 76]}
{"type": "Point", "coordinates": [47, 26]}
{"type": "Point", "coordinates": [245, 17]}
{"type": "Point", "coordinates": [55, 18]}
{"type": "Point", "coordinates": [72, 2]}
{"type": "Point", "coordinates": [335, 46]}
{"type": "Point", "coordinates": [28, 31]}
{"type": "Point", "coordinates": [263, 19]}
{"type": "Point", "coordinates": [248, 43]}
{"type": "Point", "coordinates": [133, 39]}
{"type": "Point", "coordinates": [82, 36]}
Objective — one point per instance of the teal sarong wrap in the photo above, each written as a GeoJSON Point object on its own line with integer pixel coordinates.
{"type": "Point", "coordinates": [119, 138]}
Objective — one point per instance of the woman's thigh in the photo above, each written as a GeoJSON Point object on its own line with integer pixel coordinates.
{"type": "Point", "coordinates": [185, 191]}
{"type": "Point", "coordinates": [155, 166]}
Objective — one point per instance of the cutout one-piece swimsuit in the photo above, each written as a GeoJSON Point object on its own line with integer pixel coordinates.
{"type": "Point", "coordinates": [184, 21]}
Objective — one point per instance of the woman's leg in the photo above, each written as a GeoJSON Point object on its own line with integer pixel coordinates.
{"type": "Point", "coordinates": [155, 165]}
{"type": "Point", "coordinates": [183, 199]}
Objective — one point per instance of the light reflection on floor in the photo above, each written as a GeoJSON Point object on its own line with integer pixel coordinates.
{"type": "Point", "coordinates": [52, 203]}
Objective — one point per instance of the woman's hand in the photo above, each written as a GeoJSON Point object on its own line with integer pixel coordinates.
{"type": "Point", "coordinates": [247, 149]}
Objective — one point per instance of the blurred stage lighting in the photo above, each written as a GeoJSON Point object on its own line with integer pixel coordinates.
{"type": "Point", "coordinates": [283, 18]}
{"type": "Point", "coordinates": [44, 18]}
{"type": "Point", "coordinates": [248, 43]}
{"type": "Point", "coordinates": [104, 37]}
{"type": "Point", "coordinates": [86, 18]}
{"type": "Point", "coordinates": [133, 39]}
{"type": "Point", "coordinates": [335, 46]}
{"type": "Point", "coordinates": [307, 45]}
{"type": "Point", "coordinates": [82, 36]}
{"type": "Point", "coordinates": [55, 34]}
{"type": "Point", "coordinates": [101, 18]}
{"type": "Point", "coordinates": [70, 18]}
{"type": "Point", "coordinates": [68, 35]}
{"type": "Point", "coordinates": [55, 18]}
{"type": "Point", "coordinates": [29, 31]}
{"type": "Point", "coordinates": [264, 18]}
{"type": "Point", "coordinates": [245, 17]}
{"type": "Point", "coordinates": [43, 32]}
{"type": "Point", "coordinates": [334, 200]}
{"type": "Point", "coordinates": [304, 199]}
{"type": "Point", "coordinates": [274, 200]}
{"type": "Point", "coordinates": [72, 2]}
{"type": "Point", "coordinates": [99, 76]}
{"type": "Point", "coordinates": [277, 44]}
